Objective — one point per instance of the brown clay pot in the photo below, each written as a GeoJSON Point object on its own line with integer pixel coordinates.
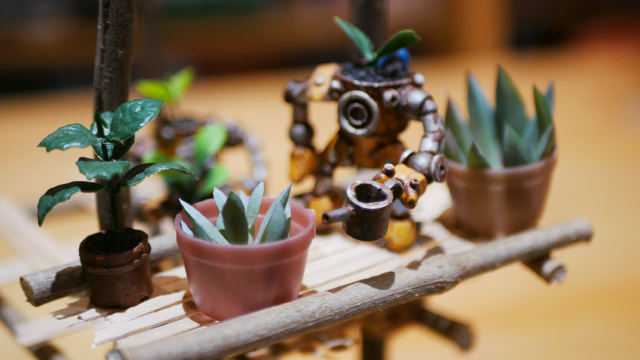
{"type": "Point", "coordinates": [118, 280]}
{"type": "Point", "coordinates": [495, 203]}
{"type": "Point", "coordinates": [232, 280]}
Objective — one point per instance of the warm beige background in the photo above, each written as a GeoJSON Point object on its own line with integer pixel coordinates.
{"type": "Point", "coordinates": [595, 314]}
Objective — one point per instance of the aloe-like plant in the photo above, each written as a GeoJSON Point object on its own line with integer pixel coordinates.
{"type": "Point", "coordinates": [207, 142]}
{"type": "Point", "coordinates": [111, 135]}
{"type": "Point", "coordinates": [400, 40]}
{"type": "Point", "coordinates": [168, 90]}
{"type": "Point", "coordinates": [236, 222]}
{"type": "Point", "coordinates": [503, 136]}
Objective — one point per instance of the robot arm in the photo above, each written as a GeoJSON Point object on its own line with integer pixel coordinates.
{"type": "Point", "coordinates": [303, 157]}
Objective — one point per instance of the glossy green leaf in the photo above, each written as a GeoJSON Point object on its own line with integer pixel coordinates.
{"type": "Point", "coordinates": [482, 124]}
{"type": "Point", "coordinates": [74, 135]}
{"type": "Point", "coordinates": [235, 222]}
{"type": "Point", "coordinates": [546, 145]}
{"type": "Point", "coordinates": [62, 193]}
{"type": "Point", "coordinates": [140, 172]}
{"type": "Point", "coordinates": [253, 206]}
{"type": "Point", "coordinates": [92, 168]}
{"type": "Point", "coordinates": [178, 83]}
{"type": "Point", "coordinates": [399, 40]}
{"type": "Point", "coordinates": [459, 127]}
{"type": "Point", "coordinates": [115, 150]}
{"type": "Point", "coordinates": [477, 159]}
{"type": "Point", "coordinates": [509, 106]}
{"type": "Point", "coordinates": [202, 227]}
{"type": "Point", "coordinates": [360, 39]}
{"type": "Point", "coordinates": [216, 177]}
{"type": "Point", "coordinates": [154, 156]}
{"type": "Point", "coordinates": [516, 152]}
{"type": "Point", "coordinates": [154, 89]}
{"type": "Point", "coordinates": [186, 228]}
{"type": "Point", "coordinates": [277, 228]}
{"type": "Point", "coordinates": [208, 140]}
{"type": "Point", "coordinates": [132, 116]}
{"type": "Point", "coordinates": [452, 150]}
{"type": "Point", "coordinates": [102, 123]}
{"type": "Point", "coordinates": [282, 199]}
{"type": "Point", "coordinates": [221, 199]}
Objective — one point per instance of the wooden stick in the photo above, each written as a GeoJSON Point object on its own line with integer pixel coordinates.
{"type": "Point", "coordinates": [434, 275]}
{"type": "Point", "coordinates": [51, 284]}
{"type": "Point", "coordinates": [549, 269]}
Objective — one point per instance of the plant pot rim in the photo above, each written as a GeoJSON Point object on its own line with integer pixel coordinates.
{"type": "Point", "coordinates": [123, 256]}
{"type": "Point", "coordinates": [275, 244]}
{"type": "Point", "coordinates": [375, 84]}
{"type": "Point", "coordinates": [451, 164]}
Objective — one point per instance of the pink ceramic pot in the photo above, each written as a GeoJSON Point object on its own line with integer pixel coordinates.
{"type": "Point", "coordinates": [232, 280]}
{"type": "Point", "coordinates": [495, 203]}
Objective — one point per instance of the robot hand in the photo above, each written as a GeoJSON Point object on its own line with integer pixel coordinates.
{"type": "Point", "coordinates": [303, 163]}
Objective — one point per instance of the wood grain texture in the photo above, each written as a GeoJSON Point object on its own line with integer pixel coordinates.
{"type": "Point", "coordinates": [432, 276]}
{"type": "Point", "coordinates": [44, 286]}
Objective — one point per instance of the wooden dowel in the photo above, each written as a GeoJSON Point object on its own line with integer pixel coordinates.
{"type": "Point", "coordinates": [549, 269]}
{"type": "Point", "coordinates": [434, 275]}
{"type": "Point", "coordinates": [47, 285]}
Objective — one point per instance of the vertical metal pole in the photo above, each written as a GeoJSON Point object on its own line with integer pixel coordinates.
{"type": "Point", "coordinates": [371, 17]}
{"type": "Point", "coordinates": [112, 75]}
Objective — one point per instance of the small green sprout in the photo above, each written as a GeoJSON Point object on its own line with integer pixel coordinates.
{"type": "Point", "coordinates": [111, 136]}
{"type": "Point", "coordinates": [236, 222]}
{"type": "Point", "coordinates": [169, 90]}
{"type": "Point", "coordinates": [399, 40]}
{"type": "Point", "coordinates": [500, 137]}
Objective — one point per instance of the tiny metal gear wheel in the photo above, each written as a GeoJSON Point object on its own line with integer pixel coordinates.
{"type": "Point", "coordinates": [358, 113]}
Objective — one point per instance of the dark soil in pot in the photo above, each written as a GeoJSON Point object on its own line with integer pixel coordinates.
{"type": "Point", "coordinates": [370, 73]}
{"type": "Point", "coordinates": [116, 267]}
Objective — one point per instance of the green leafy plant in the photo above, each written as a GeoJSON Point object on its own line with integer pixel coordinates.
{"type": "Point", "coordinates": [207, 142]}
{"type": "Point", "coordinates": [399, 40]}
{"type": "Point", "coordinates": [168, 90]}
{"type": "Point", "coordinates": [111, 136]}
{"type": "Point", "coordinates": [236, 222]}
{"type": "Point", "coordinates": [500, 137]}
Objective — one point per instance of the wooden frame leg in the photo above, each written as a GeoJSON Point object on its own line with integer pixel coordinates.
{"type": "Point", "coordinates": [373, 345]}
{"type": "Point", "coordinates": [457, 332]}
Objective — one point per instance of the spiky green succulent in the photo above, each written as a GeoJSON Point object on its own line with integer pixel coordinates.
{"type": "Point", "coordinates": [236, 222]}
{"type": "Point", "coordinates": [399, 40]}
{"type": "Point", "coordinates": [500, 137]}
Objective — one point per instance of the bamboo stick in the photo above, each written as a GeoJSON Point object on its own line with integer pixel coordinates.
{"type": "Point", "coordinates": [434, 275]}
{"type": "Point", "coordinates": [51, 284]}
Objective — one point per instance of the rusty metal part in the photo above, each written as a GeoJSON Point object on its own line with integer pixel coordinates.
{"type": "Point", "coordinates": [301, 134]}
{"type": "Point", "coordinates": [433, 167]}
{"type": "Point", "coordinates": [336, 89]}
{"type": "Point", "coordinates": [367, 211]}
{"type": "Point", "coordinates": [118, 280]}
{"type": "Point", "coordinates": [401, 234]}
{"type": "Point", "coordinates": [412, 183]}
{"type": "Point", "coordinates": [320, 81]}
{"type": "Point", "coordinates": [295, 92]}
{"type": "Point", "coordinates": [390, 98]}
{"type": "Point", "coordinates": [358, 114]}
{"type": "Point", "coordinates": [303, 163]}
{"type": "Point", "coordinates": [417, 79]}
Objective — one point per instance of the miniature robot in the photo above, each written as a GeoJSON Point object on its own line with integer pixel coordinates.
{"type": "Point", "coordinates": [371, 116]}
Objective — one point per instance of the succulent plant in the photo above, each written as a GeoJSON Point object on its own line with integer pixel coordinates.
{"type": "Point", "coordinates": [111, 136]}
{"type": "Point", "coordinates": [207, 142]}
{"type": "Point", "coordinates": [500, 137]}
{"type": "Point", "coordinates": [400, 40]}
{"type": "Point", "coordinates": [168, 90]}
{"type": "Point", "coordinates": [236, 221]}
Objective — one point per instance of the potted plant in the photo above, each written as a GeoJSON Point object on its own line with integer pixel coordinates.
{"type": "Point", "coordinates": [115, 262]}
{"type": "Point", "coordinates": [500, 161]}
{"type": "Point", "coordinates": [252, 258]}
{"type": "Point", "coordinates": [193, 143]}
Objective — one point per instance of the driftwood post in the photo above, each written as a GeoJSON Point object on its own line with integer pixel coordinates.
{"type": "Point", "coordinates": [433, 275]}
{"type": "Point", "coordinates": [111, 78]}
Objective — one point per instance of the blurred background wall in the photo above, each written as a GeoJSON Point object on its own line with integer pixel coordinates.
{"type": "Point", "coordinates": [50, 44]}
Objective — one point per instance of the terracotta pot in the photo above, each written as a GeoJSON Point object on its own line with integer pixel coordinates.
{"type": "Point", "coordinates": [231, 280]}
{"type": "Point", "coordinates": [495, 203]}
{"type": "Point", "coordinates": [118, 280]}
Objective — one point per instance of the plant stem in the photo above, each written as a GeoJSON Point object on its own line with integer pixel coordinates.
{"type": "Point", "coordinates": [114, 206]}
